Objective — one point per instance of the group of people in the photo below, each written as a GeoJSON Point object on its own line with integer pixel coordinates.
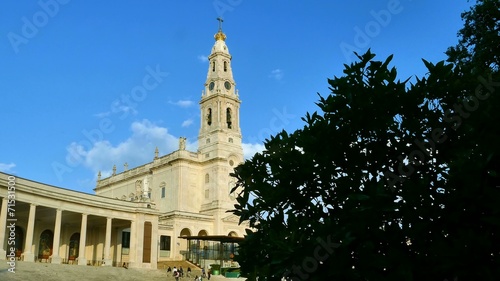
{"type": "Point", "coordinates": [178, 273]}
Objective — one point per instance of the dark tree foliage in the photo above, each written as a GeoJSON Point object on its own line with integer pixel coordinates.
{"type": "Point", "coordinates": [479, 40]}
{"type": "Point", "coordinates": [389, 180]}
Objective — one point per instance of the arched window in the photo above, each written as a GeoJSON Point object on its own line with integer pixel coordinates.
{"type": "Point", "coordinates": [45, 245]}
{"type": "Point", "coordinates": [209, 117]}
{"type": "Point", "coordinates": [185, 232]}
{"type": "Point", "coordinates": [213, 66]}
{"type": "Point", "coordinates": [19, 240]}
{"type": "Point", "coordinates": [225, 66]}
{"type": "Point", "coordinates": [207, 178]}
{"type": "Point", "coordinates": [228, 117]}
{"type": "Point", "coordinates": [74, 244]}
{"type": "Point", "coordinates": [163, 189]}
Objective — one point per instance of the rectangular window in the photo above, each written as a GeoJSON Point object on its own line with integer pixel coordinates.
{"type": "Point", "coordinates": [163, 192]}
{"type": "Point", "coordinates": [125, 239]}
{"type": "Point", "coordinates": [165, 243]}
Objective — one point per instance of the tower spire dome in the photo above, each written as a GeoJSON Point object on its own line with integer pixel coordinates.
{"type": "Point", "coordinates": [220, 35]}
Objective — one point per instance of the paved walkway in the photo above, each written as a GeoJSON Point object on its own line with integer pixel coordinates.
{"type": "Point", "coordinates": [63, 272]}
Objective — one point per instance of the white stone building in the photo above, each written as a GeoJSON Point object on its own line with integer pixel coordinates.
{"type": "Point", "coordinates": [138, 215]}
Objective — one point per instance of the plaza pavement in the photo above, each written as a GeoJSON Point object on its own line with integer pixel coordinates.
{"type": "Point", "coordinates": [64, 272]}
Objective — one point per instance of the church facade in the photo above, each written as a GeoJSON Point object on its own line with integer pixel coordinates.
{"type": "Point", "coordinates": [138, 216]}
{"type": "Point", "coordinates": [192, 189]}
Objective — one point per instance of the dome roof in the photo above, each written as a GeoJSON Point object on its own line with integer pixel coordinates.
{"type": "Point", "coordinates": [220, 44]}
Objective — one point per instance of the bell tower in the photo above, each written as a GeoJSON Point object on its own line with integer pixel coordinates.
{"type": "Point", "coordinates": [219, 139]}
{"type": "Point", "coordinates": [220, 134]}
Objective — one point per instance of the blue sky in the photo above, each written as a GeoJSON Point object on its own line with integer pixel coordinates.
{"type": "Point", "coordinates": [68, 68]}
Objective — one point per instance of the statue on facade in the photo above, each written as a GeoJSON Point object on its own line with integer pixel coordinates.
{"type": "Point", "coordinates": [182, 143]}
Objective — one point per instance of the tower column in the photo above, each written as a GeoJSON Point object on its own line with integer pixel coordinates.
{"type": "Point", "coordinates": [28, 255]}
{"type": "Point", "coordinates": [55, 258]}
{"type": "Point", "coordinates": [119, 247]}
{"type": "Point", "coordinates": [154, 244]}
{"type": "Point", "coordinates": [3, 228]}
{"type": "Point", "coordinates": [83, 240]}
{"type": "Point", "coordinates": [107, 243]}
{"type": "Point", "coordinates": [132, 254]}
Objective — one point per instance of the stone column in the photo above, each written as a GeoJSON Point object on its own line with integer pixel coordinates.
{"type": "Point", "coordinates": [139, 241]}
{"type": "Point", "coordinates": [154, 243]}
{"type": "Point", "coordinates": [132, 254]}
{"type": "Point", "coordinates": [83, 238]}
{"type": "Point", "coordinates": [28, 255]}
{"type": "Point", "coordinates": [55, 258]}
{"type": "Point", "coordinates": [107, 244]}
{"type": "Point", "coordinates": [119, 248]}
{"type": "Point", "coordinates": [3, 228]}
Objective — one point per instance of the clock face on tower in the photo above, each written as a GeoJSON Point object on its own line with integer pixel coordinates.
{"type": "Point", "coordinates": [211, 86]}
{"type": "Point", "coordinates": [227, 85]}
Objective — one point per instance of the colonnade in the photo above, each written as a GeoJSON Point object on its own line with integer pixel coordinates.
{"type": "Point", "coordinates": [102, 247]}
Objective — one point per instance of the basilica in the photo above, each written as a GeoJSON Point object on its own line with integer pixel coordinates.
{"type": "Point", "coordinates": [145, 214]}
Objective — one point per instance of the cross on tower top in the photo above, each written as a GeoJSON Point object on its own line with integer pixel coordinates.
{"type": "Point", "coordinates": [220, 22]}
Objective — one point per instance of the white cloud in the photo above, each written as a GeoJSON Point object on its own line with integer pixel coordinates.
{"type": "Point", "coordinates": [118, 107]}
{"type": "Point", "coordinates": [136, 150]}
{"type": "Point", "coordinates": [277, 74]}
{"type": "Point", "coordinates": [187, 123]}
{"type": "Point", "coordinates": [249, 149]}
{"type": "Point", "coordinates": [182, 103]}
{"type": "Point", "coordinates": [7, 168]}
{"type": "Point", "coordinates": [202, 58]}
